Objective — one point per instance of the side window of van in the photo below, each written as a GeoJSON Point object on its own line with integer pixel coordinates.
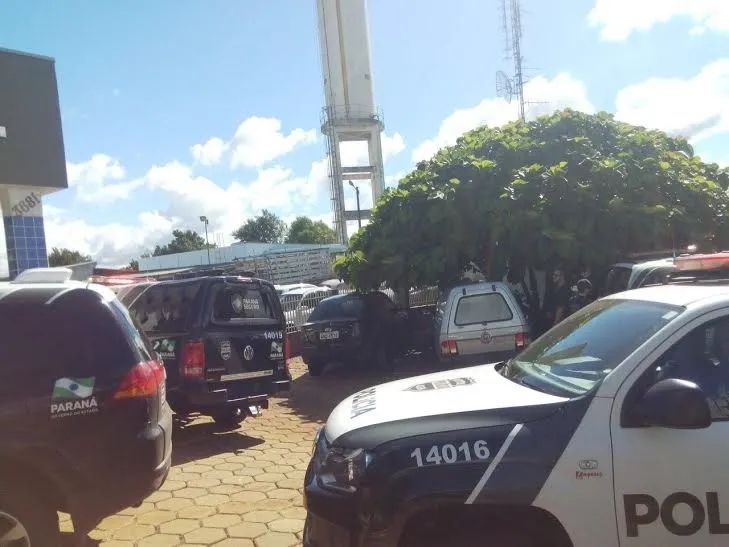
{"type": "Point", "coordinates": [482, 308]}
{"type": "Point", "coordinates": [164, 309]}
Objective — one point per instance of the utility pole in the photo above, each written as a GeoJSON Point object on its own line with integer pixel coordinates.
{"type": "Point", "coordinates": [204, 220]}
{"type": "Point", "coordinates": [359, 212]}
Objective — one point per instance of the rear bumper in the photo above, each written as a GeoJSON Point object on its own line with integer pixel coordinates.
{"type": "Point", "coordinates": [200, 395]}
{"type": "Point", "coordinates": [352, 351]}
{"type": "Point", "coordinates": [111, 494]}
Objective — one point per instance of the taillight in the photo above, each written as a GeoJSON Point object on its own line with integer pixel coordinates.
{"type": "Point", "coordinates": [143, 380]}
{"type": "Point", "coordinates": [521, 340]}
{"type": "Point", "coordinates": [448, 347]}
{"type": "Point", "coordinates": [286, 351]}
{"type": "Point", "coordinates": [192, 362]}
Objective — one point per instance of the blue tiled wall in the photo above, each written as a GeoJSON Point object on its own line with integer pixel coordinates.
{"type": "Point", "coordinates": [25, 238]}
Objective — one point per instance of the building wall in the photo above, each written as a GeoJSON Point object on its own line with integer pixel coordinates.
{"type": "Point", "coordinates": [223, 255]}
{"type": "Point", "coordinates": [25, 238]}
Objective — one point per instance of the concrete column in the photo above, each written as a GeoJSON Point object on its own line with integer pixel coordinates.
{"type": "Point", "coordinates": [25, 237]}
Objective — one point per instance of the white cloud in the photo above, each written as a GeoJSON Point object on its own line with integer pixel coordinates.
{"type": "Point", "coordinates": [696, 108]}
{"type": "Point", "coordinates": [210, 152]}
{"type": "Point", "coordinates": [618, 19]}
{"type": "Point", "coordinates": [97, 180]}
{"type": "Point", "coordinates": [258, 141]}
{"type": "Point", "coordinates": [184, 197]}
{"type": "Point", "coordinates": [546, 95]}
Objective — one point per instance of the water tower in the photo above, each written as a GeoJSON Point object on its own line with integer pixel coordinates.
{"type": "Point", "coordinates": [349, 113]}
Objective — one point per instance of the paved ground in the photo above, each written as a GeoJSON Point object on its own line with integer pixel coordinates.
{"type": "Point", "coordinates": [240, 488]}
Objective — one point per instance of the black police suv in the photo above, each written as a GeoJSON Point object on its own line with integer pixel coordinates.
{"type": "Point", "coordinates": [84, 425]}
{"type": "Point", "coordinates": [357, 327]}
{"type": "Point", "coordinates": [222, 341]}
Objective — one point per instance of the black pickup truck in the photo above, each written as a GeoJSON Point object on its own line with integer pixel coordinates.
{"type": "Point", "coordinates": [222, 339]}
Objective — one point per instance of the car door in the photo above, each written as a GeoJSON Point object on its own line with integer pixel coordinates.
{"type": "Point", "coordinates": [672, 485]}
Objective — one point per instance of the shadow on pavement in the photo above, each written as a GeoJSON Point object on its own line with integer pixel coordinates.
{"type": "Point", "coordinates": [67, 541]}
{"type": "Point", "coordinates": [194, 438]}
{"type": "Point", "coordinates": [312, 399]}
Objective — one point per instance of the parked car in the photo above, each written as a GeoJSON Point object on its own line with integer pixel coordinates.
{"type": "Point", "coordinates": [479, 322]}
{"type": "Point", "coordinates": [624, 276]}
{"type": "Point", "coordinates": [354, 328]}
{"type": "Point", "coordinates": [299, 303]}
{"type": "Point", "coordinates": [85, 427]}
{"type": "Point", "coordinates": [222, 341]}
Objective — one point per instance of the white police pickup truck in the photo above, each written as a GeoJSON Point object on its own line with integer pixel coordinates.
{"type": "Point", "coordinates": [612, 429]}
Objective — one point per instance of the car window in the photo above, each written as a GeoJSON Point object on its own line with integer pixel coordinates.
{"type": "Point", "coordinates": [701, 357]}
{"type": "Point", "coordinates": [164, 308]}
{"type": "Point", "coordinates": [242, 302]}
{"type": "Point", "coordinates": [133, 331]}
{"type": "Point", "coordinates": [482, 308]}
{"type": "Point", "coordinates": [617, 279]}
{"type": "Point", "coordinates": [574, 356]}
{"type": "Point", "coordinates": [351, 307]}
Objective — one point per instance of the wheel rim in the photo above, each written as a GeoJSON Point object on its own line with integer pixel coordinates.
{"type": "Point", "coordinates": [12, 532]}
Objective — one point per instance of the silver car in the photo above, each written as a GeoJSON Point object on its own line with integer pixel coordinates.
{"type": "Point", "coordinates": [479, 323]}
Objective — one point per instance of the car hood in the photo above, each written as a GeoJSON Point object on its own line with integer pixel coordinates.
{"type": "Point", "coordinates": [452, 399]}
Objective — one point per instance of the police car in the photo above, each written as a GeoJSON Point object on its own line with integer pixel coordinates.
{"type": "Point", "coordinates": [611, 429]}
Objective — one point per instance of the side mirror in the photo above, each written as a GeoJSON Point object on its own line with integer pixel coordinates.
{"type": "Point", "coordinates": [675, 404]}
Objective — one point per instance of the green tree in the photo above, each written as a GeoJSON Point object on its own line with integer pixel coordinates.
{"type": "Point", "coordinates": [66, 257]}
{"type": "Point", "coordinates": [134, 265]}
{"type": "Point", "coordinates": [305, 230]}
{"type": "Point", "coordinates": [265, 228]}
{"type": "Point", "coordinates": [569, 187]}
{"type": "Point", "coordinates": [182, 242]}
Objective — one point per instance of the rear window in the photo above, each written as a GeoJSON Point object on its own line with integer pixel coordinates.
{"type": "Point", "coordinates": [163, 308]}
{"type": "Point", "coordinates": [482, 308]}
{"type": "Point", "coordinates": [133, 331]}
{"type": "Point", "coordinates": [350, 308]}
{"type": "Point", "coordinates": [242, 302]}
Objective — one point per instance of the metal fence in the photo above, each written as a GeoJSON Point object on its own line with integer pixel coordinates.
{"type": "Point", "coordinates": [299, 304]}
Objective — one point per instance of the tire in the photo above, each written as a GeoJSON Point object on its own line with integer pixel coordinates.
{"type": "Point", "coordinates": [38, 520]}
{"type": "Point", "coordinates": [230, 417]}
{"type": "Point", "coordinates": [315, 369]}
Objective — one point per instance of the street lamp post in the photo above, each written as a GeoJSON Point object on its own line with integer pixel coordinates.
{"type": "Point", "coordinates": [359, 213]}
{"type": "Point", "coordinates": [204, 220]}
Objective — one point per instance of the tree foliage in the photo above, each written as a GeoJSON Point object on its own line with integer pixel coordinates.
{"type": "Point", "coordinates": [570, 187]}
{"type": "Point", "coordinates": [66, 257]}
{"type": "Point", "coordinates": [305, 230]}
{"type": "Point", "coordinates": [134, 265]}
{"type": "Point", "coordinates": [182, 241]}
{"type": "Point", "coordinates": [265, 228]}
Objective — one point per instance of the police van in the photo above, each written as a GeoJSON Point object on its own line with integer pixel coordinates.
{"type": "Point", "coordinates": [611, 429]}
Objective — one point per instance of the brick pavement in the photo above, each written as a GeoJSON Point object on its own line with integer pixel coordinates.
{"type": "Point", "coordinates": [239, 488]}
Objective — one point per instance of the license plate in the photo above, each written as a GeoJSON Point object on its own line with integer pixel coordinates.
{"type": "Point", "coordinates": [246, 375]}
{"type": "Point", "coordinates": [329, 335]}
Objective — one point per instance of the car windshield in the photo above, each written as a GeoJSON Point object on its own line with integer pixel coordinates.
{"type": "Point", "coordinates": [576, 355]}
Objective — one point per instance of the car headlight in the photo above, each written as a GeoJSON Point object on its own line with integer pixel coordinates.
{"type": "Point", "coordinates": [343, 468]}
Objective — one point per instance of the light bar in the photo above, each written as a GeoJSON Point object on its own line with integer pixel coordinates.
{"type": "Point", "coordinates": [699, 262]}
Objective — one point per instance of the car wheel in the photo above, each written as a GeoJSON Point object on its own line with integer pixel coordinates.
{"type": "Point", "coordinates": [231, 417]}
{"type": "Point", "coordinates": [26, 521]}
{"type": "Point", "coordinates": [315, 369]}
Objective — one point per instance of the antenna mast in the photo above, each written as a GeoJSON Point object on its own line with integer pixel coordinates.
{"type": "Point", "coordinates": [511, 26]}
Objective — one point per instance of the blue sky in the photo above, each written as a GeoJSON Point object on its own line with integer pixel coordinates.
{"type": "Point", "coordinates": [141, 83]}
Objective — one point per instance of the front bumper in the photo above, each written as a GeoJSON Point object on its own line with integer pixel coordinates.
{"type": "Point", "coordinates": [339, 520]}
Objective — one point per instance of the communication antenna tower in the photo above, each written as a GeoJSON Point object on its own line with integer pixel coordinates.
{"type": "Point", "coordinates": [507, 86]}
